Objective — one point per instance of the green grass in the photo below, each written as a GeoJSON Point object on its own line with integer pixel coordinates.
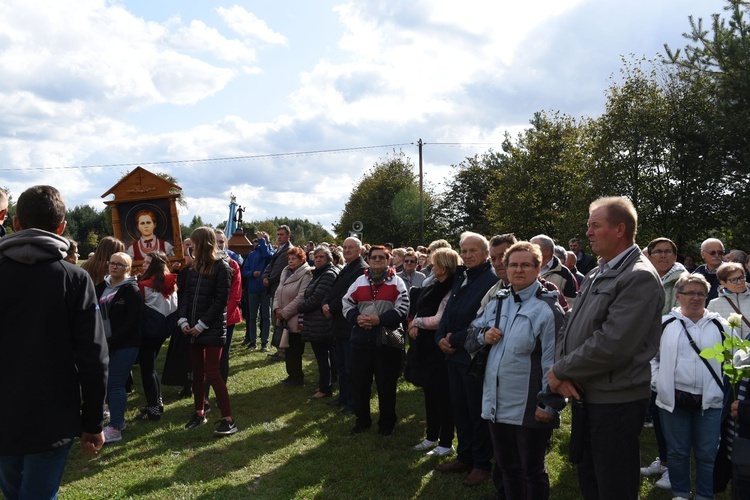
{"type": "Point", "coordinates": [288, 446]}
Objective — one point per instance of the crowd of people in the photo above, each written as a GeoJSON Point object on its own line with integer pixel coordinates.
{"type": "Point", "coordinates": [500, 336]}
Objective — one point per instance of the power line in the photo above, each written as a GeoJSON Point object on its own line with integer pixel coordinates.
{"type": "Point", "coordinates": [247, 157]}
{"type": "Point", "coordinates": [226, 158]}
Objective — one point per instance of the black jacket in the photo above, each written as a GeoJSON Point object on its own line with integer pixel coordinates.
{"type": "Point", "coordinates": [53, 352]}
{"type": "Point", "coordinates": [339, 324]}
{"type": "Point", "coordinates": [125, 315]}
{"type": "Point", "coordinates": [273, 270]}
{"type": "Point", "coordinates": [203, 303]}
{"type": "Point", "coordinates": [315, 325]}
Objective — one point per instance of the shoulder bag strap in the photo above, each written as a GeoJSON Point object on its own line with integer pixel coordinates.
{"type": "Point", "coordinates": [737, 310]}
{"type": "Point", "coordinates": [698, 352]}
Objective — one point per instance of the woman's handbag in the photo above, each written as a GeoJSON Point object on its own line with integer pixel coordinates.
{"type": "Point", "coordinates": [284, 342]}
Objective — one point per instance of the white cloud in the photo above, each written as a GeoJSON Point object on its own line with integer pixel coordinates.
{"type": "Point", "coordinates": [248, 24]}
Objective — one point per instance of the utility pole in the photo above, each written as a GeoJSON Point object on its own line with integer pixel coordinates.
{"type": "Point", "coordinates": [421, 196]}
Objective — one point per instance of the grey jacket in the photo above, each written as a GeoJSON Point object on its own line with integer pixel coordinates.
{"type": "Point", "coordinates": [613, 332]}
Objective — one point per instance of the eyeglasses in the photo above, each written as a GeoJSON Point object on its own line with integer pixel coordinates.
{"type": "Point", "coordinates": [657, 253]}
{"type": "Point", "coordinates": [378, 257]}
{"type": "Point", "coordinates": [117, 264]}
{"type": "Point", "coordinates": [691, 295]}
{"type": "Point", "coordinates": [738, 279]}
{"type": "Point", "coordinates": [714, 253]}
{"type": "Point", "coordinates": [523, 265]}
{"type": "Point", "coordinates": [409, 261]}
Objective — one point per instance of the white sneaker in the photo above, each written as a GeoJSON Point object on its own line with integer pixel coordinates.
{"type": "Point", "coordinates": [425, 445]}
{"type": "Point", "coordinates": [441, 451]}
{"type": "Point", "coordinates": [663, 482]}
{"type": "Point", "coordinates": [111, 434]}
{"type": "Point", "coordinates": [655, 468]}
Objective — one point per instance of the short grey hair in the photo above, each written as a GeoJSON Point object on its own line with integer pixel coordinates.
{"type": "Point", "coordinates": [709, 241]}
{"type": "Point", "coordinates": [561, 253]}
{"type": "Point", "coordinates": [544, 241]}
{"type": "Point", "coordinates": [468, 234]}
{"type": "Point", "coordinates": [3, 199]}
{"type": "Point", "coordinates": [324, 250]}
{"type": "Point", "coordinates": [355, 240]}
{"type": "Point", "coordinates": [686, 279]}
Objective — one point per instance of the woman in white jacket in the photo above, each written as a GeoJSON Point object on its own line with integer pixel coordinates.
{"type": "Point", "coordinates": [734, 296]}
{"type": "Point", "coordinates": [689, 393]}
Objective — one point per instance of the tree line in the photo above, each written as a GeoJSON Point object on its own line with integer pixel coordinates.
{"type": "Point", "coordinates": [674, 138]}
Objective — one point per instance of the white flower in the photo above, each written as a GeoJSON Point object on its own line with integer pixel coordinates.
{"type": "Point", "coordinates": [735, 320]}
{"type": "Point", "coordinates": [741, 359]}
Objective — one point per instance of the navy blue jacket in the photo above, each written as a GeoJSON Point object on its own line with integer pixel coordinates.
{"type": "Point", "coordinates": [463, 306]}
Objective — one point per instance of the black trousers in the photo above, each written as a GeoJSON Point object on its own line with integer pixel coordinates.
{"type": "Point", "coordinates": [325, 355]}
{"type": "Point", "coordinates": [474, 442]}
{"type": "Point", "coordinates": [384, 363]}
{"type": "Point", "coordinates": [610, 466]}
{"type": "Point", "coordinates": [293, 355]}
{"type": "Point", "coordinates": [147, 355]}
{"type": "Point", "coordinates": [437, 405]}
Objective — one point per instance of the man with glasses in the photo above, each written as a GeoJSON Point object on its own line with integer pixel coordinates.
{"type": "Point", "coordinates": [603, 354]}
{"type": "Point", "coordinates": [410, 275]}
{"type": "Point", "coordinates": [712, 251]}
{"type": "Point", "coordinates": [53, 354]}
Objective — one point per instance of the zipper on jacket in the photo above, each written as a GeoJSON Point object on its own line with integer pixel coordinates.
{"type": "Point", "coordinates": [195, 303]}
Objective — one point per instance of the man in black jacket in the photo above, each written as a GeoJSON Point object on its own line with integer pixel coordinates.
{"type": "Point", "coordinates": [272, 274]}
{"type": "Point", "coordinates": [332, 308]}
{"type": "Point", "coordinates": [53, 351]}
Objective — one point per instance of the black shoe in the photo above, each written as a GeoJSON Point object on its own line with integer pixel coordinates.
{"type": "Point", "coordinates": [335, 402]}
{"type": "Point", "coordinates": [250, 347]}
{"type": "Point", "coordinates": [185, 392]}
{"type": "Point", "coordinates": [224, 427]}
{"type": "Point", "coordinates": [292, 383]}
{"type": "Point", "coordinates": [386, 431]}
{"type": "Point", "coordinates": [196, 421]}
{"type": "Point", "coordinates": [346, 411]}
{"type": "Point", "coordinates": [358, 429]}
{"type": "Point", "coordinates": [149, 413]}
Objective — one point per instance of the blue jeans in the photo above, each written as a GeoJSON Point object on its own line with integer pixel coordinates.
{"type": "Point", "coordinates": [120, 363]}
{"type": "Point", "coordinates": [258, 301]}
{"type": "Point", "coordinates": [33, 476]}
{"type": "Point", "coordinates": [697, 430]}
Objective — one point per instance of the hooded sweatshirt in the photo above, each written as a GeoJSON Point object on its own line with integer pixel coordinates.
{"type": "Point", "coordinates": [53, 353]}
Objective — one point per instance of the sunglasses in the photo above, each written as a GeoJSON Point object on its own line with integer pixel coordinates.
{"type": "Point", "coordinates": [714, 253]}
{"type": "Point", "coordinates": [378, 257]}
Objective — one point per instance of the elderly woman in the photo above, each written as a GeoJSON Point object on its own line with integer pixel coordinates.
{"type": "Point", "coordinates": [376, 300]}
{"type": "Point", "coordinates": [425, 360]}
{"type": "Point", "coordinates": [121, 306]}
{"type": "Point", "coordinates": [520, 325]}
{"type": "Point", "coordinates": [316, 327]}
{"type": "Point", "coordinates": [662, 252]}
{"type": "Point", "coordinates": [734, 296]}
{"type": "Point", "coordinates": [689, 388]}
{"type": "Point", "coordinates": [292, 285]}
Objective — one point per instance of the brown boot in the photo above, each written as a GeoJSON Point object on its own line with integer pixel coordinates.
{"type": "Point", "coordinates": [477, 477]}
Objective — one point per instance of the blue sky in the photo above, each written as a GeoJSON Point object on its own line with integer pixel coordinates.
{"type": "Point", "coordinates": [96, 82]}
